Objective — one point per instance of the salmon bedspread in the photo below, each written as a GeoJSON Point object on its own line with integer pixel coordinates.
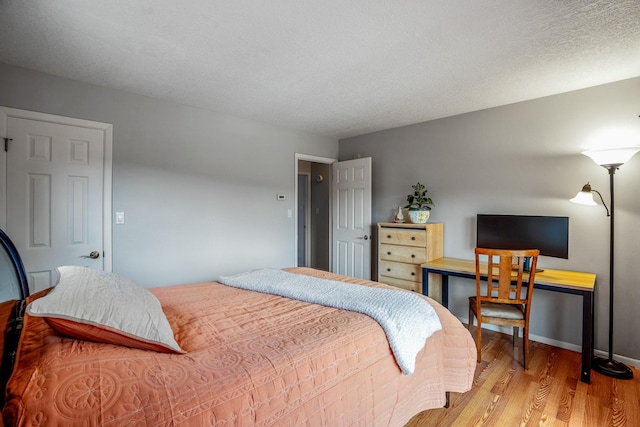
{"type": "Point", "coordinates": [251, 359]}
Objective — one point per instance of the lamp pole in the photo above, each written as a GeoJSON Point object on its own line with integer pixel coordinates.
{"type": "Point", "coordinates": [608, 366]}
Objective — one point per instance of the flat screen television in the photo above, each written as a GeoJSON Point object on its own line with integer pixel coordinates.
{"type": "Point", "coordinates": [549, 234]}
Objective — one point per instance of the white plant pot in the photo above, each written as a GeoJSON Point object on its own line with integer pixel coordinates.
{"type": "Point", "coordinates": [419, 217]}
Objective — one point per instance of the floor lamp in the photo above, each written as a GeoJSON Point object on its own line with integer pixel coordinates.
{"type": "Point", "coordinates": [611, 160]}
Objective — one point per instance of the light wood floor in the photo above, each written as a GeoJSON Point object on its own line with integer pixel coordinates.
{"type": "Point", "coordinates": [550, 393]}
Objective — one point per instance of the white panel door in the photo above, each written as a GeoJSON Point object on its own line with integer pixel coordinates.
{"type": "Point", "coordinates": [352, 218]}
{"type": "Point", "coordinates": [55, 194]}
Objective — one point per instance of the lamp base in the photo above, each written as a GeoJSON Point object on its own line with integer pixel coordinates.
{"type": "Point", "coordinates": [612, 368]}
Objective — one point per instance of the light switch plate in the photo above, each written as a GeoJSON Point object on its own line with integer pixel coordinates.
{"type": "Point", "coordinates": [119, 217]}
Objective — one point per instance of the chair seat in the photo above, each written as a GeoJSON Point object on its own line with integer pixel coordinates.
{"type": "Point", "coordinates": [503, 311]}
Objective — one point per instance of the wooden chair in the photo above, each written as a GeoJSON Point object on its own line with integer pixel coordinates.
{"type": "Point", "coordinates": [501, 301]}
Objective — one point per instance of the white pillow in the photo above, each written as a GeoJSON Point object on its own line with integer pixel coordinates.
{"type": "Point", "coordinates": [104, 307]}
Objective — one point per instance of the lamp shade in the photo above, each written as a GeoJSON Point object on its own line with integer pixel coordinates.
{"type": "Point", "coordinates": [612, 156]}
{"type": "Point", "coordinates": [584, 196]}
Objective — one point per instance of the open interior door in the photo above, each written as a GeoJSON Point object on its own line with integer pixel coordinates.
{"type": "Point", "coordinates": [351, 222]}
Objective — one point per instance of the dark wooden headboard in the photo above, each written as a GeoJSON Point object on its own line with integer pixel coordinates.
{"type": "Point", "coordinates": [16, 287]}
{"type": "Point", "coordinates": [14, 290]}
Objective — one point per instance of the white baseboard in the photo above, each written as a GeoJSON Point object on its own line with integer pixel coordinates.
{"type": "Point", "coordinates": [560, 344]}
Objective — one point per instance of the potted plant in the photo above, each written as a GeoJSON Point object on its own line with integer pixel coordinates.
{"type": "Point", "coordinates": [419, 205]}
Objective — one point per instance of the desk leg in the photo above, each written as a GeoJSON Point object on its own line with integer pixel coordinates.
{"type": "Point", "coordinates": [445, 286]}
{"type": "Point", "coordinates": [587, 336]}
{"type": "Point", "coordinates": [425, 282]}
{"type": "Point", "coordinates": [445, 291]}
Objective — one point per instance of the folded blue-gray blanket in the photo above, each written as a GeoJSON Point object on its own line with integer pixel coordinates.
{"type": "Point", "coordinates": [406, 318]}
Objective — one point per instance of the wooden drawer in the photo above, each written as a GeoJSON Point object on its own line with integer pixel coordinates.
{"type": "Point", "coordinates": [404, 284]}
{"type": "Point", "coordinates": [403, 236]}
{"type": "Point", "coordinates": [410, 272]}
{"type": "Point", "coordinates": [408, 254]}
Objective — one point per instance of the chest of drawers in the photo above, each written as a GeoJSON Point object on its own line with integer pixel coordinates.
{"type": "Point", "coordinates": [402, 248]}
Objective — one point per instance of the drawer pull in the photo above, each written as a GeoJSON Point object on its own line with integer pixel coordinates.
{"type": "Point", "coordinates": [388, 236]}
{"type": "Point", "coordinates": [413, 255]}
{"type": "Point", "coordinates": [413, 237]}
{"type": "Point", "coordinates": [388, 253]}
{"type": "Point", "coordinates": [413, 274]}
{"type": "Point", "coordinates": [388, 269]}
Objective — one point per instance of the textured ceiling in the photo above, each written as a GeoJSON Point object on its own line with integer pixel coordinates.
{"type": "Point", "coordinates": [337, 68]}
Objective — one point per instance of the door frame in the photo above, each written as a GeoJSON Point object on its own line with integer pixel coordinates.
{"type": "Point", "coordinates": [313, 159]}
{"type": "Point", "coordinates": [106, 128]}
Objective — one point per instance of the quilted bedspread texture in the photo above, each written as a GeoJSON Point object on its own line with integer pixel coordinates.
{"type": "Point", "coordinates": [251, 359]}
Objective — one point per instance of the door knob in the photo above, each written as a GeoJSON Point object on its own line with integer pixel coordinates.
{"type": "Point", "coordinates": [94, 255]}
{"type": "Point", "coordinates": [365, 237]}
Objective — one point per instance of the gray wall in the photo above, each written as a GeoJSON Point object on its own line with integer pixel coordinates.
{"type": "Point", "coordinates": [525, 159]}
{"type": "Point", "coordinates": [198, 188]}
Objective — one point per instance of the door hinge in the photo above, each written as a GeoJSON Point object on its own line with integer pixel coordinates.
{"type": "Point", "coordinates": [6, 143]}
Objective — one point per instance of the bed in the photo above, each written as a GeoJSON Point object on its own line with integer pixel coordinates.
{"type": "Point", "coordinates": [249, 358]}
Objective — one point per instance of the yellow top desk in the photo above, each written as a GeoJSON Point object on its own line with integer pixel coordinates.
{"type": "Point", "coordinates": [569, 282]}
